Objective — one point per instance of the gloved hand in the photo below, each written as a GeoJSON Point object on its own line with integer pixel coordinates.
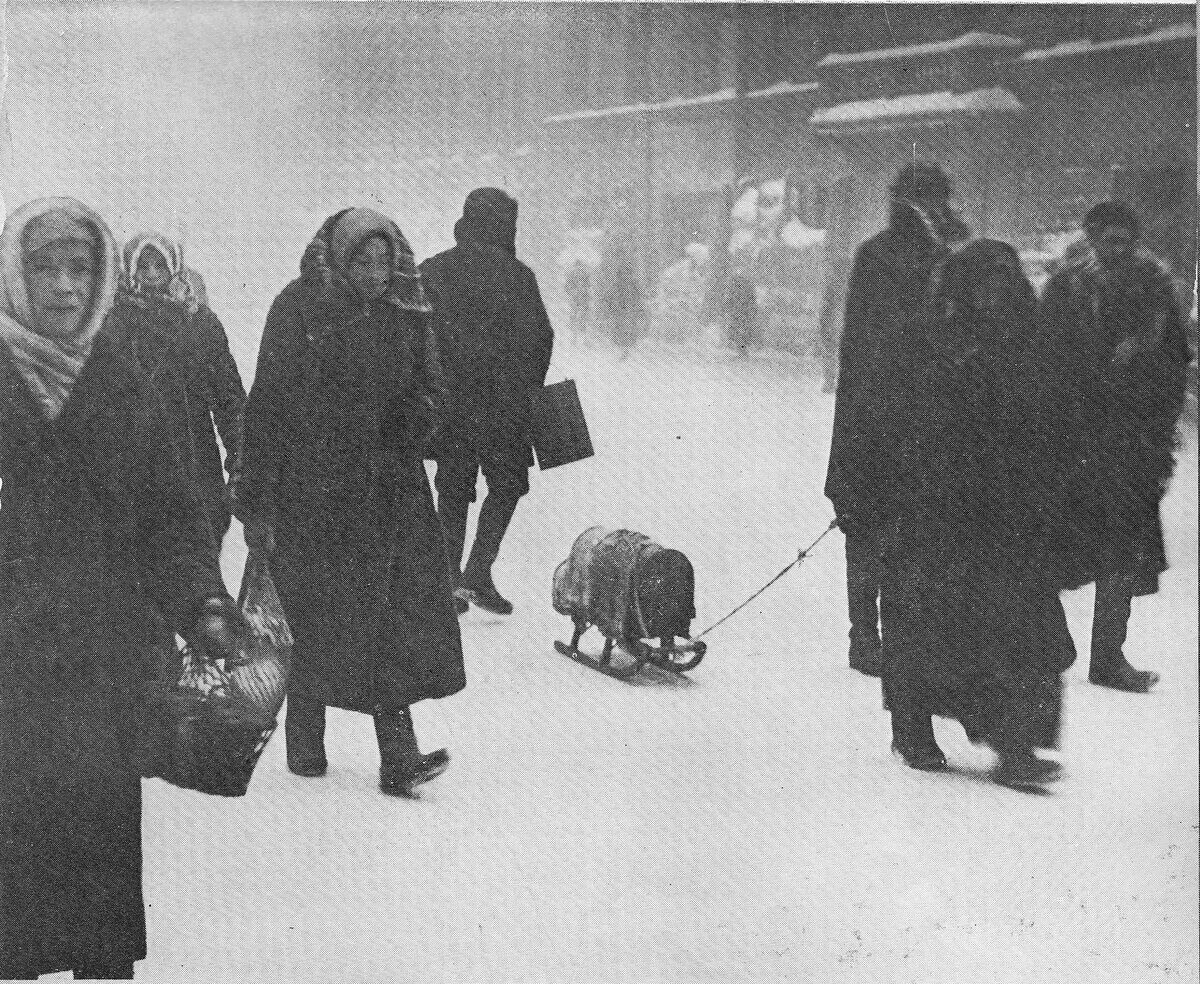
{"type": "Point", "coordinates": [219, 629]}
{"type": "Point", "coordinates": [260, 537]}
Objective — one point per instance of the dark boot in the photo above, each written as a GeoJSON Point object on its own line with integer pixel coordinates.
{"type": "Point", "coordinates": [913, 741]}
{"type": "Point", "coordinates": [1022, 770]}
{"type": "Point", "coordinates": [477, 587]}
{"type": "Point", "coordinates": [453, 517]}
{"type": "Point", "coordinates": [862, 596]}
{"type": "Point", "coordinates": [1110, 625]}
{"type": "Point", "coordinates": [402, 767]}
{"type": "Point", "coordinates": [104, 971]}
{"type": "Point", "coordinates": [304, 731]}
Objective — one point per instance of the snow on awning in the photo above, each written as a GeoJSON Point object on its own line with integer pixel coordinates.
{"type": "Point", "coordinates": [784, 89]}
{"type": "Point", "coordinates": [899, 111]}
{"type": "Point", "coordinates": [1174, 32]}
{"type": "Point", "coordinates": [974, 40]}
{"type": "Point", "coordinates": [713, 98]}
{"type": "Point", "coordinates": [636, 109]}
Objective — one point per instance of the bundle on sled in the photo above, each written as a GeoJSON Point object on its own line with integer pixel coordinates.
{"type": "Point", "coordinates": [632, 590]}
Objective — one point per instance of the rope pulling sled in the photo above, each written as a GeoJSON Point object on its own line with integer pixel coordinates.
{"type": "Point", "coordinates": [631, 589]}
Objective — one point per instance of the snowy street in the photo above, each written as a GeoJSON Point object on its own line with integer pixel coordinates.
{"type": "Point", "coordinates": [745, 824]}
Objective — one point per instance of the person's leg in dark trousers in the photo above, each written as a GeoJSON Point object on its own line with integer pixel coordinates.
{"type": "Point", "coordinates": [454, 481]}
{"type": "Point", "coordinates": [1110, 625]}
{"type": "Point", "coordinates": [402, 767]}
{"type": "Point", "coordinates": [862, 594]}
{"type": "Point", "coordinates": [304, 731]}
{"type": "Point", "coordinates": [506, 486]}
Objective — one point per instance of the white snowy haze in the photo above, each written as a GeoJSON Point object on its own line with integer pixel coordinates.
{"type": "Point", "coordinates": [744, 824]}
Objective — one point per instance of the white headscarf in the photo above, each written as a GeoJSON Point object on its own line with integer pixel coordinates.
{"type": "Point", "coordinates": [49, 366]}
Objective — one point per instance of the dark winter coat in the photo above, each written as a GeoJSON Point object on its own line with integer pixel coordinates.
{"type": "Point", "coordinates": [495, 341]}
{"type": "Point", "coordinates": [1115, 426]}
{"type": "Point", "coordinates": [96, 528]}
{"type": "Point", "coordinates": [185, 355]}
{"type": "Point", "coordinates": [335, 423]}
{"type": "Point", "coordinates": [973, 626]}
{"type": "Point", "coordinates": [886, 305]}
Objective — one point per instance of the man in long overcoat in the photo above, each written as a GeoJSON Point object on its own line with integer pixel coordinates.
{"type": "Point", "coordinates": [886, 301]}
{"type": "Point", "coordinates": [495, 342]}
{"type": "Point", "coordinates": [1115, 359]}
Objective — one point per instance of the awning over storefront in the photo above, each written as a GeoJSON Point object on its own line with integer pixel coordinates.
{"type": "Point", "coordinates": [904, 112]}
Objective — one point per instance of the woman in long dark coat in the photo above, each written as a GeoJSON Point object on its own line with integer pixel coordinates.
{"type": "Point", "coordinates": [96, 529]}
{"type": "Point", "coordinates": [345, 396]}
{"type": "Point", "coordinates": [181, 346]}
{"type": "Point", "coordinates": [973, 626]}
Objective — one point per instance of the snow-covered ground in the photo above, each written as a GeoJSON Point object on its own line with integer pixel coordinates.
{"type": "Point", "coordinates": [746, 824]}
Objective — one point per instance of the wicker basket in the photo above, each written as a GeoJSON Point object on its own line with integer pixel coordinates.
{"type": "Point", "coordinates": [206, 730]}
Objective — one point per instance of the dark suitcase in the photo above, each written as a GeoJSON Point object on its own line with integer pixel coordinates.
{"type": "Point", "coordinates": [559, 430]}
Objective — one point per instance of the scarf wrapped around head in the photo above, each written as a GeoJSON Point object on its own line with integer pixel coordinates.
{"type": "Point", "coordinates": [341, 235]}
{"type": "Point", "coordinates": [48, 366]}
{"type": "Point", "coordinates": [180, 285]}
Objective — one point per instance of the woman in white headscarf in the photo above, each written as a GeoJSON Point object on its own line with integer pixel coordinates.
{"type": "Point", "coordinates": [96, 528]}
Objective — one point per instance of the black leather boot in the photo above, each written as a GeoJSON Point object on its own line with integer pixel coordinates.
{"type": "Point", "coordinates": [1110, 625]}
{"type": "Point", "coordinates": [304, 732]}
{"type": "Point", "coordinates": [913, 741]}
{"type": "Point", "coordinates": [402, 767]}
{"type": "Point", "coordinates": [453, 517]}
{"type": "Point", "coordinates": [477, 587]}
{"type": "Point", "coordinates": [105, 971]}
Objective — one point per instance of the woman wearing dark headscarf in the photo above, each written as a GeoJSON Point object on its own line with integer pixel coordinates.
{"type": "Point", "coordinates": [973, 625]}
{"type": "Point", "coordinates": [181, 347]}
{"type": "Point", "coordinates": [96, 529]}
{"type": "Point", "coordinates": [345, 397]}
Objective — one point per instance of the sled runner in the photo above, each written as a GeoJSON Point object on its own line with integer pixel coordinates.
{"type": "Point", "coordinates": [632, 590]}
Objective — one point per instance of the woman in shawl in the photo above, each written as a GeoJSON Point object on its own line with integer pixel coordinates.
{"type": "Point", "coordinates": [96, 530]}
{"type": "Point", "coordinates": [973, 625]}
{"type": "Point", "coordinates": [182, 348]}
{"type": "Point", "coordinates": [346, 395]}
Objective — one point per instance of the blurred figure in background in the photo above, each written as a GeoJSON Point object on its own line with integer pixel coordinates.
{"type": "Point", "coordinates": [1116, 353]}
{"type": "Point", "coordinates": [679, 302]}
{"type": "Point", "coordinates": [345, 398]}
{"type": "Point", "coordinates": [182, 348]}
{"type": "Point", "coordinates": [620, 293]}
{"type": "Point", "coordinates": [495, 343]}
{"type": "Point", "coordinates": [886, 308]}
{"type": "Point", "coordinates": [96, 525]}
{"type": "Point", "coordinates": [578, 287]}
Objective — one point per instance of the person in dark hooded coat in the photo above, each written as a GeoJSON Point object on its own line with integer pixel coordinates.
{"type": "Point", "coordinates": [96, 529]}
{"type": "Point", "coordinates": [1115, 357]}
{"type": "Point", "coordinates": [886, 304]}
{"type": "Point", "coordinates": [495, 343]}
{"type": "Point", "coordinates": [333, 486]}
{"type": "Point", "coordinates": [973, 626]}
{"type": "Point", "coordinates": [181, 347]}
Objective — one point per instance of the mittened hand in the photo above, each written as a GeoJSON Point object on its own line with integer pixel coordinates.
{"type": "Point", "coordinates": [219, 629]}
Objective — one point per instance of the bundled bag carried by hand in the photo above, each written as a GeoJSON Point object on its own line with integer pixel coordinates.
{"type": "Point", "coordinates": [206, 730]}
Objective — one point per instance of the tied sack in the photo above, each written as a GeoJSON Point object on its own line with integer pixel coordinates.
{"type": "Point", "coordinates": [206, 730]}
